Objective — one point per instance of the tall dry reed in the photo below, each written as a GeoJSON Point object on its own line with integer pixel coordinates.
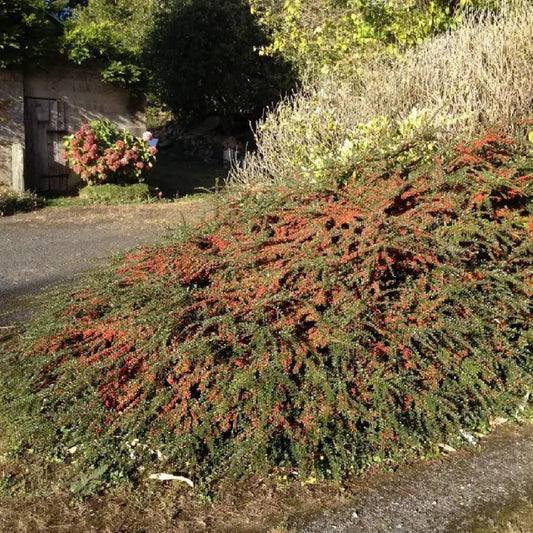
{"type": "Point", "coordinates": [461, 82]}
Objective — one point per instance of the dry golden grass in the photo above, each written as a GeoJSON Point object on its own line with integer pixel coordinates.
{"type": "Point", "coordinates": [254, 506]}
{"type": "Point", "coordinates": [463, 81]}
{"type": "Point", "coordinates": [469, 79]}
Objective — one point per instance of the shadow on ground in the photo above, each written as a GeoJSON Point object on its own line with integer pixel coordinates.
{"type": "Point", "coordinates": [177, 174]}
{"type": "Point", "coordinates": [52, 246]}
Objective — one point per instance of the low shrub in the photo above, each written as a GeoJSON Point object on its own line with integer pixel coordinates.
{"type": "Point", "coordinates": [317, 331]}
{"type": "Point", "coordinates": [110, 193]}
{"type": "Point", "coordinates": [100, 152]}
{"type": "Point", "coordinates": [12, 201]}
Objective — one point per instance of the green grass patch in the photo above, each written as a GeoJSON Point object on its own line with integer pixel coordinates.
{"type": "Point", "coordinates": [12, 202]}
{"type": "Point", "coordinates": [111, 194]}
{"type": "Point", "coordinates": [117, 194]}
{"type": "Point", "coordinates": [108, 194]}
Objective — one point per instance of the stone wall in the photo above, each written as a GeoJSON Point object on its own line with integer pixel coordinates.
{"type": "Point", "coordinates": [12, 128]}
{"type": "Point", "coordinates": [85, 97]}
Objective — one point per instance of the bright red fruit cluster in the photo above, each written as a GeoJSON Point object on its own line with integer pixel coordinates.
{"type": "Point", "coordinates": [320, 329]}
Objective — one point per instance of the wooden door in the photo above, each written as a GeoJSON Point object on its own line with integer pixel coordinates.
{"type": "Point", "coordinates": [45, 129]}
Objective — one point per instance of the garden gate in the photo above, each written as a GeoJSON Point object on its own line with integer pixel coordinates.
{"type": "Point", "coordinates": [45, 129]}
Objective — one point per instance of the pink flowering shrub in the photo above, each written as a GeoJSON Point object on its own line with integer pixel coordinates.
{"type": "Point", "coordinates": [100, 152]}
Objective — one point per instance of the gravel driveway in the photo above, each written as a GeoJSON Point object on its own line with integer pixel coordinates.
{"type": "Point", "coordinates": [43, 248]}
{"type": "Point", "coordinates": [464, 492]}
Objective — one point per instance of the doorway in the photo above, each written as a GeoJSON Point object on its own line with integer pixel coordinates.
{"type": "Point", "coordinates": [45, 128]}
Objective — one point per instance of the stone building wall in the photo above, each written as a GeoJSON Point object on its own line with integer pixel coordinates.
{"type": "Point", "coordinates": [84, 96]}
{"type": "Point", "coordinates": [12, 128]}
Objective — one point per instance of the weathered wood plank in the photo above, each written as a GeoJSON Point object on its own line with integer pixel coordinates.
{"type": "Point", "coordinates": [45, 123]}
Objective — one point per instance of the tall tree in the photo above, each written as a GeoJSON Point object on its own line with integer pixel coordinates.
{"type": "Point", "coordinates": [115, 33]}
{"type": "Point", "coordinates": [336, 35]}
{"type": "Point", "coordinates": [205, 59]}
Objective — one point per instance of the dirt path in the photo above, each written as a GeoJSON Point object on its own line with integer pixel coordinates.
{"type": "Point", "coordinates": [47, 247]}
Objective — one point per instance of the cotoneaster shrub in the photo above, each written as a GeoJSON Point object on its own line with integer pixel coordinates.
{"type": "Point", "coordinates": [311, 330]}
{"type": "Point", "coordinates": [100, 152]}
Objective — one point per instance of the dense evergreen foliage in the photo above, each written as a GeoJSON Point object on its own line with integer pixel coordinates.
{"type": "Point", "coordinates": [115, 33]}
{"type": "Point", "coordinates": [312, 330]}
{"type": "Point", "coordinates": [337, 36]}
{"type": "Point", "coordinates": [204, 58]}
{"type": "Point", "coordinates": [28, 32]}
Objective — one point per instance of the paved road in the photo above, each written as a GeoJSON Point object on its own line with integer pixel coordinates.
{"type": "Point", "coordinates": [46, 247]}
{"type": "Point", "coordinates": [470, 488]}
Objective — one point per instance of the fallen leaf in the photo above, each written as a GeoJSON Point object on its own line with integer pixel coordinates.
{"type": "Point", "coordinates": [446, 447]}
{"type": "Point", "coordinates": [170, 477]}
{"type": "Point", "coordinates": [497, 421]}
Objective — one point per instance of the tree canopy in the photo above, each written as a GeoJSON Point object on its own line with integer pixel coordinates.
{"type": "Point", "coordinates": [205, 59]}
{"type": "Point", "coordinates": [208, 56]}
{"type": "Point", "coordinates": [114, 33]}
{"type": "Point", "coordinates": [336, 35]}
{"type": "Point", "coordinates": [28, 30]}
